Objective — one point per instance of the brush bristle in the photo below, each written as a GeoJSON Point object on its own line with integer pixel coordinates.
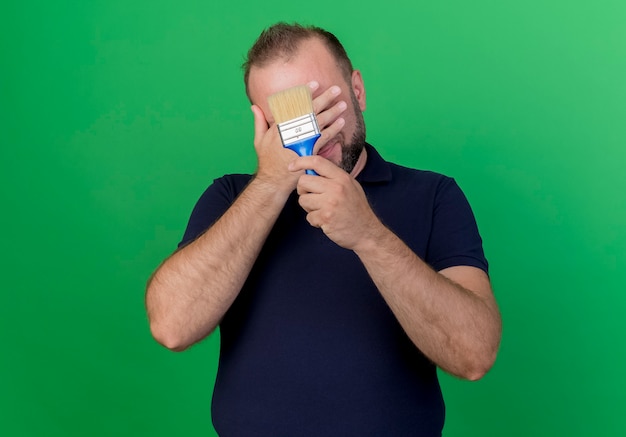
{"type": "Point", "coordinates": [290, 103]}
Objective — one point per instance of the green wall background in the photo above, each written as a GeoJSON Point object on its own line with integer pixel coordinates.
{"type": "Point", "coordinates": [115, 116]}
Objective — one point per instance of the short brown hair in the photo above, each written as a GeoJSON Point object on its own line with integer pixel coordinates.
{"type": "Point", "coordinates": [283, 40]}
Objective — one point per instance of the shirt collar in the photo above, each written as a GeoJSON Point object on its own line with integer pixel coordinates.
{"type": "Point", "coordinates": [376, 168]}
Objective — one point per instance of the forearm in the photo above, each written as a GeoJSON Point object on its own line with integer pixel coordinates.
{"type": "Point", "coordinates": [457, 328]}
{"type": "Point", "coordinates": [191, 291]}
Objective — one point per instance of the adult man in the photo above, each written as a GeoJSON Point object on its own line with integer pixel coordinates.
{"type": "Point", "coordinates": [336, 302]}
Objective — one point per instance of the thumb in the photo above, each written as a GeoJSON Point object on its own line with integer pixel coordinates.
{"type": "Point", "coordinates": [260, 123]}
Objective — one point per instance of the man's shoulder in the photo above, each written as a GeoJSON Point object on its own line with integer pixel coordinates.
{"type": "Point", "coordinates": [232, 182]}
{"type": "Point", "coordinates": [224, 188]}
{"type": "Point", "coordinates": [416, 172]}
{"type": "Point", "coordinates": [235, 178]}
{"type": "Point", "coordinates": [417, 177]}
{"type": "Point", "coordinates": [381, 170]}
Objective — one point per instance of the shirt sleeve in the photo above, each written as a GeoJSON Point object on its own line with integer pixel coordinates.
{"type": "Point", "coordinates": [213, 203]}
{"type": "Point", "coordinates": [455, 240]}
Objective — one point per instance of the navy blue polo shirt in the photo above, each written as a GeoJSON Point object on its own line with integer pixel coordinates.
{"type": "Point", "coordinates": [309, 347]}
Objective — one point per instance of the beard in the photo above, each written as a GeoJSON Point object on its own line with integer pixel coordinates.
{"type": "Point", "coordinates": [351, 151]}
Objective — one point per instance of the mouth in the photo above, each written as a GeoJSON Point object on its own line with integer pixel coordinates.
{"type": "Point", "coordinates": [328, 148]}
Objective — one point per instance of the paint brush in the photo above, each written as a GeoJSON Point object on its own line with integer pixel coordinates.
{"type": "Point", "coordinates": [293, 113]}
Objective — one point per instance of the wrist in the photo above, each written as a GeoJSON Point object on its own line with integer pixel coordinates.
{"type": "Point", "coordinates": [372, 240]}
{"type": "Point", "coordinates": [270, 188]}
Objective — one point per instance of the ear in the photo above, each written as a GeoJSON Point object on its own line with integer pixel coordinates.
{"type": "Point", "coordinates": [358, 88]}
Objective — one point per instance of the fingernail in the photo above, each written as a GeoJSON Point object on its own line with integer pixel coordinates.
{"type": "Point", "coordinates": [313, 85]}
{"type": "Point", "coordinates": [342, 105]}
{"type": "Point", "coordinates": [335, 90]}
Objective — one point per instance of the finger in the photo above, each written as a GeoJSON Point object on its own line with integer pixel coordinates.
{"type": "Point", "coordinates": [322, 166]}
{"type": "Point", "coordinates": [311, 184]}
{"type": "Point", "coordinates": [328, 134]}
{"type": "Point", "coordinates": [325, 99]}
{"type": "Point", "coordinates": [330, 115]}
{"type": "Point", "coordinates": [313, 85]}
{"type": "Point", "coordinates": [315, 219]}
{"type": "Point", "coordinates": [309, 202]}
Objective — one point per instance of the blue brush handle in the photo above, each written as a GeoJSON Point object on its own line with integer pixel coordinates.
{"type": "Point", "coordinates": [305, 148]}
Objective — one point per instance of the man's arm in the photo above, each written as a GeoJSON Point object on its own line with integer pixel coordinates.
{"type": "Point", "coordinates": [451, 315]}
{"type": "Point", "coordinates": [190, 292]}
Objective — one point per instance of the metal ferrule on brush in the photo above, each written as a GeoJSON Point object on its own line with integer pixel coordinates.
{"type": "Point", "coordinates": [299, 130]}
{"type": "Point", "coordinates": [300, 135]}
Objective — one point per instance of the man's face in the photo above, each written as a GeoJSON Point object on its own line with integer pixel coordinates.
{"type": "Point", "coordinates": [313, 62]}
